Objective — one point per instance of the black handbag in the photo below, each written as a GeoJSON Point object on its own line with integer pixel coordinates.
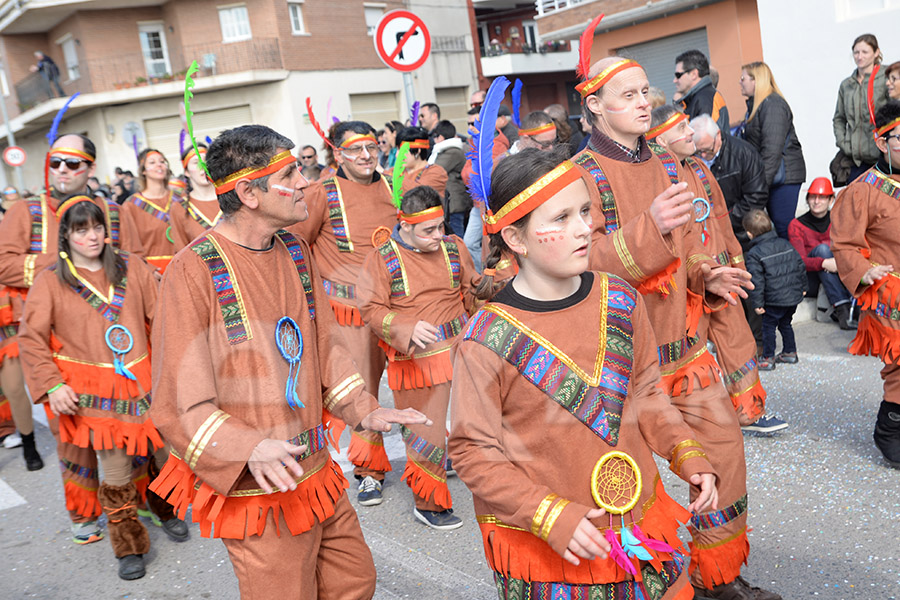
{"type": "Point", "coordinates": [840, 168]}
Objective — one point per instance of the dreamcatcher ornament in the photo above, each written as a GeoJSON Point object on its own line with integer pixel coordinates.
{"type": "Point", "coordinates": [702, 208]}
{"type": "Point", "coordinates": [616, 487]}
{"type": "Point", "coordinates": [289, 340]}
{"type": "Point", "coordinates": [120, 341]}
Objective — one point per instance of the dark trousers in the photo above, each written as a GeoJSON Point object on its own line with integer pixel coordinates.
{"type": "Point", "coordinates": [834, 289]}
{"type": "Point", "coordinates": [457, 223]}
{"type": "Point", "coordinates": [778, 317]}
{"type": "Point", "coordinates": [857, 171]}
{"type": "Point", "coordinates": [754, 320]}
{"type": "Point", "coordinates": [783, 206]}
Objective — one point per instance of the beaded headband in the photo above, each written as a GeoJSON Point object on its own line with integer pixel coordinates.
{"type": "Point", "coordinates": [531, 197]}
{"type": "Point", "coordinates": [586, 88]}
{"type": "Point", "coordinates": [358, 138]}
{"type": "Point", "coordinates": [68, 203]}
{"type": "Point", "coordinates": [666, 125]}
{"type": "Point", "coordinates": [538, 130]}
{"type": "Point", "coordinates": [419, 144]}
{"type": "Point", "coordinates": [423, 215]}
{"type": "Point", "coordinates": [883, 130]}
{"type": "Point", "coordinates": [276, 163]}
{"type": "Point", "coordinates": [191, 154]}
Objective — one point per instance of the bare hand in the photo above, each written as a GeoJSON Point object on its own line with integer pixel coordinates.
{"type": "Point", "coordinates": [672, 208]}
{"type": "Point", "coordinates": [709, 495]}
{"type": "Point", "coordinates": [759, 311]}
{"type": "Point", "coordinates": [725, 281]}
{"type": "Point", "coordinates": [273, 461]}
{"type": "Point", "coordinates": [63, 401]}
{"type": "Point", "coordinates": [381, 418]}
{"type": "Point", "coordinates": [424, 333]}
{"type": "Point", "coordinates": [587, 542]}
{"type": "Point", "coordinates": [829, 264]}
{"type": "Point", "coordinates": [875, 273]}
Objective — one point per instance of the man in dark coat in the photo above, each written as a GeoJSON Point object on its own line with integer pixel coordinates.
{"type": "Point", "coordinates": [49, 71]}
{"type": "Point", "coordinates": [449, 152]}
{"type": "Point", "coordinates": [698, 94]}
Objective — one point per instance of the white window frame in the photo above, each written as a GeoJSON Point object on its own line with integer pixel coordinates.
{"type": "Point", "coordinates": [369, 8]}
{"type": "Point", "coordinates": [295, 8]}
{"type": "Point", "coordinates": [227, 12]}
{"type": "Point", "coordinates": [155, 27]}
{"type": "Point", "coordinates": [71, 69]}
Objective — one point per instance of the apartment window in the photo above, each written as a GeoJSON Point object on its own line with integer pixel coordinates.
{"type": "Point", "coordinates": [235, 22]}
{"type": "Point", "coordinates": [295, 8]}
{"type": "Point", "coordinates": [70, 55]}
{"type": "Point", "coordinates": [153, 46]}
{"type": "Point", "coordinates": [374, 12]}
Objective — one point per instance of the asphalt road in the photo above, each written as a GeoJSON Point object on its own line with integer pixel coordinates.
{"type": "Point", "coordinates": [824, 511]}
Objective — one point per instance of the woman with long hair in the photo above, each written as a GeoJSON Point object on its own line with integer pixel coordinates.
{"type": "Point", "coordinates": [199, 211]}
{"type": "Point", "coordinates": [391, 130]}
{"type": "Point", "coordinates": [859, 97]}
{"type": "Point", "coordinates": [892, 80]}
{"type": "Point", "coordinates": [150, 208]}
{"type": "Point", "coordinates": [85, 348]}
{"type": "Point", "coordinates": [769, 127]}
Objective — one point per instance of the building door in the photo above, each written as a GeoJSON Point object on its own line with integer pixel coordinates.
{"type": "Point", "coordinates": [658, 56]}
{"type": "Point", "coordinates": [153, 47]}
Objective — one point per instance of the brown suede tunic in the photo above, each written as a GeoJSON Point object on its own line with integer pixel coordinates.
{"type": "Point", "coordinates": [192, 218]}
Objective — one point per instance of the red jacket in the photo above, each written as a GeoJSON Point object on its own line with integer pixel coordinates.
{"type": "Point", "coordinates": [804, 239]}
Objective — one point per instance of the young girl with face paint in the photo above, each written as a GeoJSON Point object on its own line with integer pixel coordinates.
{"type": "Point", "coordinates": [151, 208]}
{"type": "Point", "coordinates": [85, 349]}
{"type": "Point", "coordinates": [557, 409]}
{"type": "Point", "coordinates": [200, 211]}
{"type": "Point", "coordinates": [416, 294]}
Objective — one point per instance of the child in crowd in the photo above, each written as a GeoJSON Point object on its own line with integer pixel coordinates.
{"type": "Point", "coordinates": [779, 277]}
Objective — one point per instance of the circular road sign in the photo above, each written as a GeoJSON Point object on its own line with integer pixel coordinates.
{"type": "Point", "coordinates": [402, 41]}
{"type": "Point", "coordinates": [14, 156]}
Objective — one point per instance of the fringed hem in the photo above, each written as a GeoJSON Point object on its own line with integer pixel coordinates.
{"type": "Point", "coordinates": [874, 339]}
{"type": "Point", "coordinates": [6, 315]}
{"type": "Point", "coordinates": [10, 350]}
{"type": "Point", "coordinates": [427, 486]}
{"type": "Point", "coordinates": [752, 402]}
{"type": "Point", "coordinates": [695, 309]}
{"type": "Point", "coordinates": [103, 381]}
{"type": "Point", "coordinates": [160, 263]}
{"type": "Point", "coordinates": [408, 373]}
{"type": "Point", "coordinates": [82, 500]}
{"type": "Point", "coordinates": [347, 316]}
{"type": "Point", "coordinates": [720, 563]}
{"type": "Point", "coordinates": [110, 433]}
{"type": "Point", "coordinates": [368, 455]}
{"type": "Point", "coordinates": [702, 369]}
{"type": "Point", "coordinates": [520, 554]}
{"type": "Point", "coordinates": [662, 282]}
{"type": "Point", "coordinates": [334, 429]}
{"type": "Point", "coordinates": [890, 293]}
{"type": "Point", "coordinates": [5, 409]}
{"type": "Point", "coordinates": [236, 517]}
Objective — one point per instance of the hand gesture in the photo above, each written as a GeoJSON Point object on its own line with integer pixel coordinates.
{"type": "Point", "coordinates": [829, 265]}
{"type": "Point", "coordinates": [273, 461]}
{"type": "Point", "coordinates": [709, 495]}
{"type": "Point", "coordinates": [672, 208]}
{"type": "Point", "coordinates": [759, 311]}
{"type": "Point", "coordinates": [587, 542]}
{"type": "Point", "coordinates": [725, 281]}
{"type": "Point", "coordinates": [380, 419]}
{"type": "Point", "coordinates": [63, 401]}
{"type": "Point", "coordinates": [875, 273]}
{"type": "Point", "coordinates": [424, 333]}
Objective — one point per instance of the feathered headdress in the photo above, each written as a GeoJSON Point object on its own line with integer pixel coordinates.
{"type": "Point", "coordinates": [590, 85]}
{"type": "Point", "coordinates": [188, 114]}
{"type": "Point", "coordinates": [481, 152]}
{"type": "Point", "coordinates": [517, 103]}
{"type": "Point", "coordinates": [585, 42]}
{"type": "Point", "coordinates": [51, 137]}
{"type": "Point", "coordinates": [315, 124]}
{"type": "Point", "coordinates": [397, 177]}
{"type": "Point", "coordinates": [414, 114]}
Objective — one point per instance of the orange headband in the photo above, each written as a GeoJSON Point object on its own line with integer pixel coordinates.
{"type": "Point", "coordinates": [538, 130]}
{"type": "Point", "coordinates": [586, 88]}
{"type": "Point", "coordinates": [883, 130]}
{"type": "Point", "coordinates": [531, 197]}
{"type": "Point", "coordinates": [276, 163]}
{"type": "Point", "coordinates": [419, 144]}
{"type": "Point", "coordinates": [72, 152]}
{"type": "Point", "coordinates": [69, 203]}
{"type": "Point", "coordinates": [358, 138]}
{"type": "Point", "coordinates": [177, 183]}
{"type": "Point", "coordinates": [423, 215]}
{"type": "Point", "coordinates": [191, 154]}
{"type": "Point", "coordinates": [666, 125]}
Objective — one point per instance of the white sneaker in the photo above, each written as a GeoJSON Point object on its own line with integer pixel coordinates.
{"type": "Point", "coordinates": [13, 440]}
{"type": "Point", "coordinates": [369, 492]}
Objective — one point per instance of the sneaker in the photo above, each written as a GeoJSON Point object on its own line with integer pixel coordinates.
{"type": "Point", "coordinates": [765, 364]}
{"type": "Point", "coordinates": [444, 519]}
{"type": "Point", "coordinates": [787, 358]}
{"type": "Point", "coordinates": [766, 425]}
{"type": "Point", "coordinates": [738, 589]}
{"type": "Point", "coordinates": [13, 440]}
{"type": "Point", "coordinates": [86, 533]}
{"type": "Point", "coordinates": [369, 491]}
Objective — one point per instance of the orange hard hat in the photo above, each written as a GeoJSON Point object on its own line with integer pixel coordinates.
{"type": "Point", "coordinates": [820, 186]}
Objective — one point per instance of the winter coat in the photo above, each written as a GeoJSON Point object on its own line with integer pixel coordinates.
{"type": "Point", "coordinates": [739, 171]}
{"type": "Point", "coordinates": [779, 275]}
{"type": "Point", "coordinates": [704, 99]}
{"type": "Point", "coordinates": [804, 239]}
{"type": "Point", "coordinates": [450, 155]}
{"type": "Point", "coordinates": [771, 132]}
{"type": "Point", "coordinates": [853, 131]}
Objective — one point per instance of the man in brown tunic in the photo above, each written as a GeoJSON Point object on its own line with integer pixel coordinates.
{"type": "Point", "coordinates": [247, 357]}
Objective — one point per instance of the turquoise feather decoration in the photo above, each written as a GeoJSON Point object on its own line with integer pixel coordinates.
{"type": "Point", "coordinates": [632, 545]}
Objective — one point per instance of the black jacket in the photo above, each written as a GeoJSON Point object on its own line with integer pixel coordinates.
{"type": "Point", "coordinates": [779, 275]}
{"type": "Point", "coordinates": [738, 169]}
{"type": "Point", "coordinates": [701, 100]}
{"type": "Point", "coordinates": [771, 131]}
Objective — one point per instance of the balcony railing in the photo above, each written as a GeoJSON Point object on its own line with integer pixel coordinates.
{"type": "Point", "coordinates": [125, 70]}
{"type": "Point", "coordinates": [498, 49]}
{"type": "Point", "coordinates": [548, 6]}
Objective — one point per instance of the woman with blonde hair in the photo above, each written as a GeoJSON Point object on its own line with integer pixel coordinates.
{"type": "Point", "coordinates": [769, 127]}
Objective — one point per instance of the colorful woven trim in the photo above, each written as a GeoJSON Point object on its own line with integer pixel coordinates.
{"type": "Point", "coordinates": [741, 372]}
{"type": "Point", "coordinates": [538, 130]}
{"type": "Point", "coordinates": [720, 517]}
{"type": "Point", "coordinates": [355, 139]}
{"type": "Point", "coordinates": [131, 408]}
{"type": "Point", "coordinates": [314, 439]}
{"type": "Point", "coordinates": [152, 209]}
{"type": "Point", "coordinates": [199, 216]}
{"type": "Point", "coordinates": [451, 258]}
{"type": "Point", "coordinates": [422, 144]}
{"type": "Point", "coordinates": [451, 329]}
{"type": "Point", "coordinates": [276, 163]}
{"type": "Point", "coordinates": [68, 203]}
{"type": "Point", "coordinates": [887, 127]}
{"type": "Point", "coordinates": [653, 585]}
{"type": "Point", "coordinates": [113, 221]}
{"type": "Point", "coordinates": [38, 209]}
{"type": "Point", "coordinates": [191, 154]}
{"type": "Point", "coordinates": [701, 175]}
{"type": "Point", "coordinates": [887, 312]}
{"type": "Point", "coordinates": [390, 254]}
{"type": "Point", "coordinates": [109, 307]}
{"type": "Point", "coordinates": [337, 215]}
{"type": "Point", "coordinates": [595, 399]}
{"type": "Point", "coordinates": [74, 469]}
{"type": "Point", "coordinates": [430, 452]}
{"type": "Point", "coordinates": [586, 88]}
{"type": "Point", "coordinates": [72, 152]}
{"type": "Point", "coordinates": [666, 125]}
{"type": "Point", "coordinates": [607, 200]}
{"type": "Point", "coordinates": [883, 184]}
{"type": "Point", "coordinates": [8, 332]}
{"type": "Point", "coordinates": [339, 290]}
{"type": "Point", "coordinates": [435, 212]}
{"type": "Point", "coordinates": [237, 326]}
{"type": "Point", "coordinates": [531, 197]}
{"type": "Point", "coordinates": [668, 161]}
{"type": "Point", "coordinates": [293, 248]}
{"type": "Point", "coordinates": [673, 351]}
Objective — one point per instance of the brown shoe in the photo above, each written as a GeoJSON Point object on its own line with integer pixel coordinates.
{"type": "Point", "coordinates": [738, 589]}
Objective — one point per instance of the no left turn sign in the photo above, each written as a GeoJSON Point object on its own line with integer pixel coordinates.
{"type": "Point", "coordinates": [14, 156]}
{"type": "Point", "coordinates": [402, 41]}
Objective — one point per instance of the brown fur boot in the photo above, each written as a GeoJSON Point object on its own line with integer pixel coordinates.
{"type": "Point", "coordinates": [174, 527]}
{"type": "Point", "coordinates": [127, 535]}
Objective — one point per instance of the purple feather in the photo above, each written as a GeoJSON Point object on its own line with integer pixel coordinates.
{"type": "Point", "coordinates": [135, 146]}
{"type": "Point", "coordinates": [181, 137]}
{"type": "Point", "coordinates": [517, 103]}
{"type": "Point", "coordinates": [335, 120]}
{"type": "Point", "coordinates": [482, 143]}
{"type": "Point", "coordinates": [651, 543]}
{"type": "Point", "coordinates": [617, 553]}
{"type": "Point", "coordinates": [54, 128]}
{"type": "Point", "coordinates": [414, 115]}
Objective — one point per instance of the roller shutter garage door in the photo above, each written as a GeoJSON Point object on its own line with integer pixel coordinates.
{"type": "Point", "coordinates": [376, 109]}
{"type": "Point", "coordinates": [454, 104]}
{"type": "Point", "coordinates": [658, 56]}
{"type": "Point", "coordinates": [163, 133]}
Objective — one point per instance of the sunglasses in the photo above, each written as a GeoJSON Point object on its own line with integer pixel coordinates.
{"type": "Point", "coordinates": [307, 157]}
{"type": "Point", "coordinates": [71, 163]}
{"type": "Point", "coordinates": [678, 74]}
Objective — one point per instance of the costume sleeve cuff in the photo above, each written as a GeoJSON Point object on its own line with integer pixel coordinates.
{"type": "Point", "coordinates": [560, 523]}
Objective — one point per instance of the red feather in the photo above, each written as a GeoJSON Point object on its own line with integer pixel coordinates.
{"type": "Point", "coordinates": [315, 124]}
{"type": "Point", "coordinates": [584, 49]}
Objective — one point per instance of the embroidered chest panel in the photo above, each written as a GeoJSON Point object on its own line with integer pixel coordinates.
{"type": "Point", "coordinates": [337, 215]}
{"type": "Point", "coordinates": [701, 175]}
{"type": "Point", "coordinates": [113, 221]}
{"type": "Point", "coordinates": [883, 184]}
{"type": "Point", "coordinates": [198, 216]}
{"type": "Point", "coordinates": [390, 254]}
{"type": "Point", "coordinates": [151, 209]}
{"type": "Point", "coordinates": [37, 208]}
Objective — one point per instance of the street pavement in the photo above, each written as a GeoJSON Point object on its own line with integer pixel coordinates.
{"type": "Point", "coordinates": [824, 511]}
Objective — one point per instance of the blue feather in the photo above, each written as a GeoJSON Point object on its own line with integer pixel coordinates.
{"type": "Point", "coordinates": [481, 152]}
{"type": "Point", "coordinates": [181, 137]}
{"type": "Point", "coordinates": [633, 546]}
{"type": "Point", "coordinates": [517, 103]}
{"type": "Point", "coordinates": [54, 128]}
{"type": "Point", "coordinates": [208, 140]}
{"type": "Point", "coordinates": [414, 115]}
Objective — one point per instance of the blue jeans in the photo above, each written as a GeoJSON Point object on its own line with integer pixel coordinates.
{"type": "Point", "coordinates": [783, 206]}
{"type": "Point", "coordinates": [857, 171]}
{"type": "Point", "coordinates": [457, 224]}
{"type": "Point", "coordinates": [780, 317]}
{"type": "Point", "coordinates": [472, 237]}
{"type": "Point", "coordinates": [834, 289]}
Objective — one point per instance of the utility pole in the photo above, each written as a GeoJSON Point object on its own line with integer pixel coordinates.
{"type": "Point", "coordinates": [11, 140]}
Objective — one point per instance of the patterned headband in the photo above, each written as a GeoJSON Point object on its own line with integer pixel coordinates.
{"type": "Point", "coordinates": [419, 144]}
{"type": "Point", "coordinates": [72, 152]}
{"type": "Point", "coordinates": [531, 197]}
{"type": "Point", "coordinates": [586, 88]}
{"type": "Point", "coordinates": [69, 203]}
{"type": "Point", "coordinates": [191, 154]}
{"type": "Point", "coordinates": [358, 138]}
{"type": "Point", "coordinates": [276, 163]}
{"type": "Point", "coordinates": [423, 215]}
{"type": "Point", "coordinates": [538, 130]}
{"type": "Point", "coordinates": [666, 125]}
{"type": "Point", "coordinates": [883, 130]}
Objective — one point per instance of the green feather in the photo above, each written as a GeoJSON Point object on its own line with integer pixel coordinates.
{"type": "Point", "coordinates": [399, 168]}
{"type": "Point", "coordinates": [188, 114]}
